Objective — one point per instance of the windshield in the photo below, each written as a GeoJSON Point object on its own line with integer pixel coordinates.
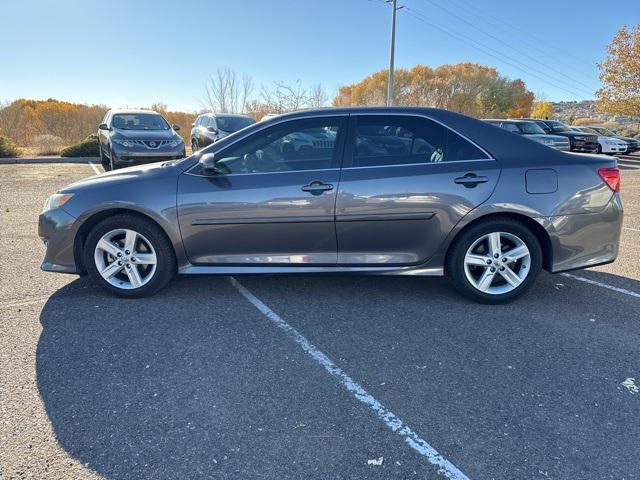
{"type": "Point", "coordinates": [588, 130]}
{"type": "Point", "coordinates": [530, 128]}
{"type": "Point", "coordinates": [139, 121]}
{"type": "Point", "coordinates": [605, 131]}
{"type": "Point", "coordinates": [233, 124]}
{"type": "Point", "coordinates": [558, 126]}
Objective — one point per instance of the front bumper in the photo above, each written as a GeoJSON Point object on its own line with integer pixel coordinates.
{"type": "Point", "coordinates": [585, 240]}
{"type": "Point", "coordinates": [583, 146]}
{"type": "Point", "coordinates": [123, 157]}
{"type": "Point", "coordinates": [57, 229]}
{"type": "Point", "coordinates": [613, 148]}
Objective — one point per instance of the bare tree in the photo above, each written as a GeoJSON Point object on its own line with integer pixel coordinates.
{"type": "Point", "coordinates": [226, 92]}
{"type": "Point", "coordinates": [318, 96]}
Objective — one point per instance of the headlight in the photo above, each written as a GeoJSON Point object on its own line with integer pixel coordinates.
{"type": "Point", "coordinates": [56, 201]}
{"type": "Point", "coordinates": [547, 141]}
{"type": "Point", "coordinates": [124, 142]}
{"type": "Point", "coordinates": [175, 142]}
{"type": "Point", "coordinates": [578, 137]}
{"type": "Point", "coordinates": [610, 142]}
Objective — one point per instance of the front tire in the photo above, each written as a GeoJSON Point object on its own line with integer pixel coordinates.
{"type": "Point", "coordinates": [494, 261]}
{"type": "Point", "coordinates": [194, 146]}
{"type": "Point", "coordinates": [129, 255]}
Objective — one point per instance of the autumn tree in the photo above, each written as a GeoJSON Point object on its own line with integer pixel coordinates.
{"type": "Point", "coordinates": [542, 109]}
{"type": "Point", "coordinates": [467, 88]}
{"type": "Point", "coordinates": [620, 75]}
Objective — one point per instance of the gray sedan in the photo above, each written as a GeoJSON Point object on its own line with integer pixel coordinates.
{"type": "Point", "coordinates": [395, 191]}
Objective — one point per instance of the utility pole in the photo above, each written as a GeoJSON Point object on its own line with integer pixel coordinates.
{"type": "Point", "coordinates": [392, 54]}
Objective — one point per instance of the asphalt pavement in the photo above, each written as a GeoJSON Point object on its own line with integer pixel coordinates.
{"type": "Point", "coordinates": [314, 377]}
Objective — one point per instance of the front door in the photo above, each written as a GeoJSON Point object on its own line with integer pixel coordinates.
{"type": "Point", "coordinates": [273, 201]}
{"type": "Point", "coordinates": [406, 182]}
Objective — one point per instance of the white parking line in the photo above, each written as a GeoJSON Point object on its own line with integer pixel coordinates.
{"type": "Point", "coordinates": [603, 285]}
{"type": "Point", "coordinates": [632, 229]}
{"type": "Point", "coordinates": [95, 169]}
{"type": "Point", "coordinates": [410, 437]}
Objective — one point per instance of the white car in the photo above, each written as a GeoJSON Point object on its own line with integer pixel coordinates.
{"type": "Point", "coordinates": [608, 145]}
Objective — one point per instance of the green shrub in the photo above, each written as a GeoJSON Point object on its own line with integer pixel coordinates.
{"type": "Point", "coordinates": [8, 149]}
{"type": "Point", "coordinates": [89, 147]}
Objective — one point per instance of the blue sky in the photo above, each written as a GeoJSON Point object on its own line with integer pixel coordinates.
{"type": "Point", "coordinates": [133, 53]}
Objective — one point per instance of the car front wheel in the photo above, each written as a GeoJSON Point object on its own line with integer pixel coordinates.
{"type": "Point", "coordinates": [129, 255]}
{"type": "Point", "coordinates": [494, 261]}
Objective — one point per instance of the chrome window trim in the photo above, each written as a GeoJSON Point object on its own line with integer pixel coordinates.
{"type": "Point", "coordinates": [263, 127]}
{"type": "Point", "coordinates": [455, 162]}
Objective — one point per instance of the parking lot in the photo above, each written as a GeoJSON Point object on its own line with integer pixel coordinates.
{"type": "Point", "coordinates": [314, 377]}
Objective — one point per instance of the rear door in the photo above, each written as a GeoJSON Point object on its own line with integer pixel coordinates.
{"type": "Point", "coordinates": [273, 201]}
{"type": "Point", "coordinates": [407, 180]}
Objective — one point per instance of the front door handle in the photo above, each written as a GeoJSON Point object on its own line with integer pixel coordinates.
{"type": "Point", "coordinates": [317, 187]}
{"type": "Point", "coordinates": [470, 180]}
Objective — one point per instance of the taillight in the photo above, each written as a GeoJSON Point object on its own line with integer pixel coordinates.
{"type": "Point", "coordinates": [611, 177]}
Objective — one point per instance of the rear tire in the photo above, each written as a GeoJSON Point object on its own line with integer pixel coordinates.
{"type": "Point", "coordinates": [500, 241]}
{"type": "Point", "coordinates": [152, 256]}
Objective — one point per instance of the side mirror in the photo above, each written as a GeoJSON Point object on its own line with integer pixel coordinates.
{"type": "Point", "coordinates": [103, 126]}
{"type": "Point", "coordinates": [175, 126]}
{"type": "Point", "coordinates": [212, 129]}
{"type": "Point", "coordinates": [208, 164]}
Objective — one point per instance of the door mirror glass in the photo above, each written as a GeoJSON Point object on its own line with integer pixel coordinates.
{"type": "Point", "coordinates": [175, 126]}
{"type": "Point", "coordinates": [208, 164]}
{"type": "Point", "coordinates": [103, 126]}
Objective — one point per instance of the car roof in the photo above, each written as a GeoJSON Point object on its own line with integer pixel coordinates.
{"type": "Point", "coordinates": [510, 120]}
{"type": "Point", "coordinates": [213, 114]}
{"type": "Point", "coordinates": [132, 110]}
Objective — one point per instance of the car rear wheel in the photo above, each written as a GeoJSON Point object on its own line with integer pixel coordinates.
{"type": "Point", "coordinates": [129, 255]}
{"type": "Point", "coordinates": [194, 146]}
{"type": "Point", "coordinates": [494, 261]}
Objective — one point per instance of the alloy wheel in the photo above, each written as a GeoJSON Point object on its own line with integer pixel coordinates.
{"type": "Point", "coordinates": [497, 263]}
{"type": "Point", "coordinates": [125, 258]}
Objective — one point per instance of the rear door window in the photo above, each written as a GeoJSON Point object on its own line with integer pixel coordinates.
{"type": "Point", "coordinates": [385, 140]}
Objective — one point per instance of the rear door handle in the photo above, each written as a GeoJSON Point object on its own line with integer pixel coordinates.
{"type": "Point", "coordinates": [470, 180]}
{"type": "Point", "coordinates": [317, 187]}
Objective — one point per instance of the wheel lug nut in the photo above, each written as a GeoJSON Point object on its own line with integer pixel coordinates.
{"type": "Point", "coordinates": [488, 262]}
{"type": "Point", "coordinates": [502, 269]}
{"type": "Point", "coordinates": [128, 266]}
{"type": "Point", "coordinates": [504, 260]}
{"type": "Point", "coordinates": [127, 252]}
{"type": "Point", "coordinates": [119, 254]}
{"type": "Point", "coordinates": [495, 255]}
{"type": "Point", "coordinates": [133, 259]}
{"type": "Point", "coordinates": [492, 269]}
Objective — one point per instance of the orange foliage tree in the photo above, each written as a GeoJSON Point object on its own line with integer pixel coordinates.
{"type": "Point", "coordinates": [467, 88]}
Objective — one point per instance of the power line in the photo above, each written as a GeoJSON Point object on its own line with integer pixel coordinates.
{"type": "Point", "coordinates": [523, 33]}
{"type": "Point", "coordinates": [524, 54]}
{"type": "Point", "coordinates": [497, 54]}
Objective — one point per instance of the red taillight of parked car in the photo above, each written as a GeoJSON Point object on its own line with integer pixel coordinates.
{"type": "Point", "coordinates": [611, 177]}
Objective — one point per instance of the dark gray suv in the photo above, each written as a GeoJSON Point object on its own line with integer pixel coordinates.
{"type": "Point", "coordinates": [211, 127]}
{"type": "Point", "coordinates": [134, 137]}
{"type": "Point", "coordinates": [394, 191]}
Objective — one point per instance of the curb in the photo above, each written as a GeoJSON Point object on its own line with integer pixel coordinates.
{"type": "Point", "coordinates": [36, 160]}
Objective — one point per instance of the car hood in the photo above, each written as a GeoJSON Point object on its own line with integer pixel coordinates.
{"type": "Point", "coordinates": [145, 134]}
{"type": "Point", "coordinates": [128, 175]}
{"type": "Point", "coordinates": [627, 139]}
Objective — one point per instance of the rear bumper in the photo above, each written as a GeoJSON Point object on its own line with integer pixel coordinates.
{"type": "Point", "coordinates": [585, 240]}
{"type": "Point", "coordinates": [57, 229]}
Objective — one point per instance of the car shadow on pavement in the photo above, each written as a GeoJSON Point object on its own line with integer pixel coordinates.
{"type": "Point", "coordinates": [175, 385]}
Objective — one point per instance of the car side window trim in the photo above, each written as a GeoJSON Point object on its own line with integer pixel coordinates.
{"type": "Point", "coordinates": [339, 149]}
{"type": "Point", "coordinates": [348, 154]}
